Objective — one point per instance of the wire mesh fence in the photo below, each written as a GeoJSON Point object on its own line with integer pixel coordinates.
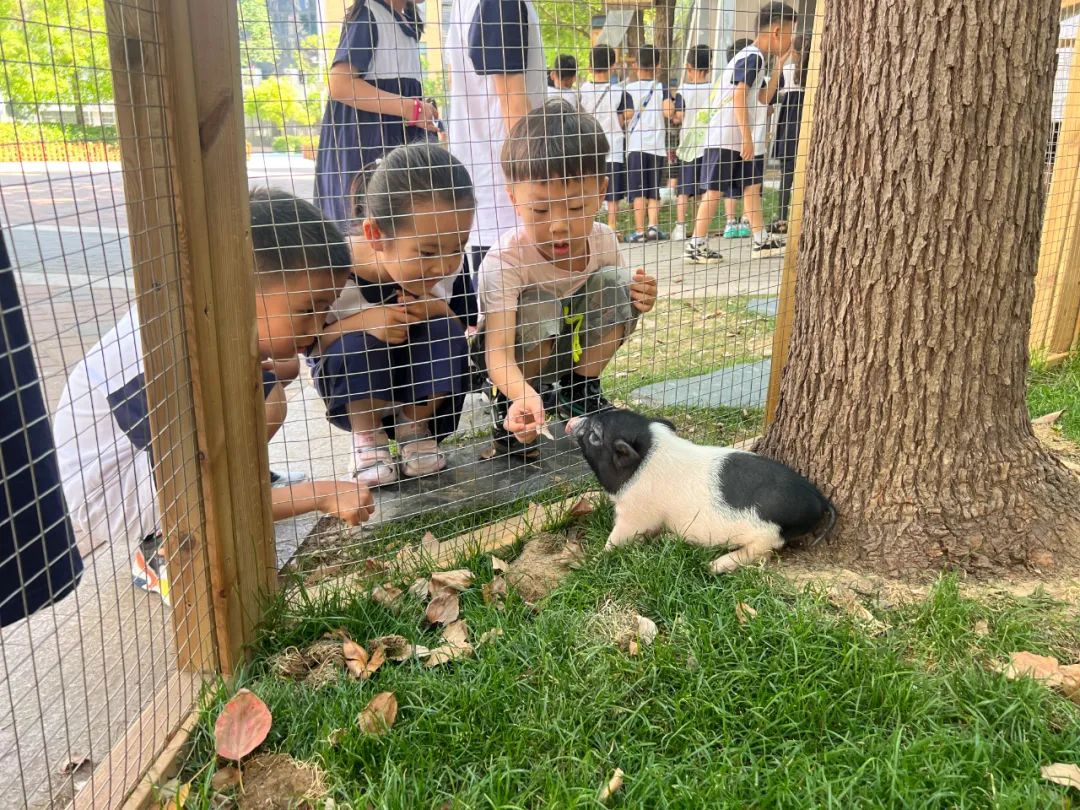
{"type": "Point", "coordinates": [472, 222]}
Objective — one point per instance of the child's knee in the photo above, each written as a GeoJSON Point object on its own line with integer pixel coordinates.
{"type": "Point", "coordinates": [277, 408]}
{"type": "Point", "coordinates": [608, 302]}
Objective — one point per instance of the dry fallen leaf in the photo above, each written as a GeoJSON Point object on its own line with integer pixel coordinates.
{"type": "Point", "coordinates": [456, 632]}
{"type": "Point", "coordinates": [444, 582]}
{"type": "Point", "coordinates": [242, 725]}
{"type": "Point", "coordinates": [982, 628]}
{"type": "Point", "coordinates": [386, 595]}
{"type": "Point", "coordinates": [419, 589]}
{"type": "Point", "coordinates": [173, 795]}
{"type": "Point", "coordinates": [1061, 773]}
{"type": "Point", "coordinates": [499, 565]}
{"type": "Point", "coordinates": [397, 648]}
{"type": "Point", "coordinates": [488, 635]}
{"type": "Point", "coordinates": [646, 629]}
{"type": "Point", "coordinates": [744, 613]}
{"type": "Point", "coordinates": [430, 545]}
{"type": "Point", "coordinates": [443, 609]}
{"type": "Point", "coordinates": [494, 591]}
{"type": "Point", "coordinates": [225, 778]}
{"type": "Point", "coordinates": [1029, 665]}
{"type": "Point", "coordinates": [613, 784]}
{"type": "Point", "coordinates": [1047, 419]}
{"type": "Point", "coordinates": [632, 647]}
{"type": "Point", "coordinates": [448, 652]}
{"type": "Point", "coordinates": [581, 508]}
{"type": "Point", "coordinates": [379, 715]}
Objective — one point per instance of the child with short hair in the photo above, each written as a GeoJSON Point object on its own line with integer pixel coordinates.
{"type": "Point", "coordinates": [646, 146]}
{"type": "Point", "coordinates": [789, 120]}
{"type": "Point", "coordinates": [736, 225]}
{"type": "Point", "coordinates": [735, 144]}
{"type": "Point", "coordinates": [613, 107]}
{"type": "Point", "coordinates": [392, 361]}
{"type": "Point", "coordinates": [102, 423]}
{"type": "Point", "coordinates": [691, 100]}
{"type": "Point", "coordinates": [561, 79]}
{"type": "Point", "coordinates": [556, 298]}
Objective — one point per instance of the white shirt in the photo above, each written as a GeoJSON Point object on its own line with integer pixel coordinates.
{"type": "Point", "coordinates": [695, 100]}
{"type": "Point", "coordinates": [486, 38]}
{"type": "Point", "coordinates": [646, 132]}
{"type": "Point", "coordinates": [102, 443]}
{"type": "Point", "coordinates": [748, 67]}
{"type": "Point", "coordinates": [567, 94]}
{"type": "Point", "coordinates": [606, 102]}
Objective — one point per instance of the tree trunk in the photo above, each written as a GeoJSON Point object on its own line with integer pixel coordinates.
{"type": "Point", "coordinates": [904, 394]}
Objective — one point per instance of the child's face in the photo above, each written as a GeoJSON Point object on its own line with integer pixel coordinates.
{"type": "Point", "coordinates": [778, 40]}
{"type": "Point", "coordinates": [558, 214]}
{"type": "Point", "coordinates": [425, 251]}
{"type": "Point", "coordinates": [290, 310]}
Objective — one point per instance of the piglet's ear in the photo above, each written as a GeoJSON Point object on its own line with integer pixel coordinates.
{"type": "Point", "coordinates": [624, 454]}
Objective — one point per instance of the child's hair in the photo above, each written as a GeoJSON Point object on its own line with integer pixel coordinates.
{"type": "Point", "coordinates": [387, 191]}
{"type": "Point", "coordinates": [554, 141]}
{"type": "Point", "coordinates": [290, 234]}
{"type": "Point", "coordinates": [699, 57]}
{"type": "Point", "coordinates": [737, 46]}
{"type": "Point", "coordinates": [648, 57]}
{"type": "Point", "coordinates": [772, 13]}
{"type": "Point", "coordinates": [565, 66]}
{"type": "Point", "coordinates": [602, 57]}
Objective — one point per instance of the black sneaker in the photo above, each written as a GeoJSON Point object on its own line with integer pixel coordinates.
{"type": "Point", "coordinates": [701, 254]}
{"type": "Point", "coordinates": [767, 247]}
{"type": "Point", "coordinates": [654, 234]}
{"type": "Point", "coordinates": [582, 398]}
{"type": "Point", "coordinates": [506, 443]}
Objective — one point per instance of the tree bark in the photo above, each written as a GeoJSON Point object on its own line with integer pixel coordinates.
{"type": "Point", "coordinates": [903, 397]}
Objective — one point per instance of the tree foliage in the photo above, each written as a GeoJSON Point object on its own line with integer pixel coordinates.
{"type": "Point", "coordinates": [53, 52]}
{"type": "Point", "coordinates": [278, 100]}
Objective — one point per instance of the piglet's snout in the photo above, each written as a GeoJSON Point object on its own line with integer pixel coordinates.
{"type": "Point", "coordinates": [574, 425]}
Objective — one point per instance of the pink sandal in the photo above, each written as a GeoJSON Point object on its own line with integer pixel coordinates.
{"type": "Point", "coordinates": [374, 464]}
{"type": "Point", "coordinates": [420, 454]}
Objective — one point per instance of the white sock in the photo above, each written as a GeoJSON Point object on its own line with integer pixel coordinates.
{"type": "Point", "coordinates": [696, 241]}
{"type": "Point", "coordinates": [759, 236]}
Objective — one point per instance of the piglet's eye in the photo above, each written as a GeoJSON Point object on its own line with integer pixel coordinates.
{"type": "Point", "coordinates": [594, 437]}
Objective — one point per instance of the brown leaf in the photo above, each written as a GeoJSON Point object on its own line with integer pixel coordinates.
{"type": "Point", "coordinates": [359, 663]}
{"type": "Point", "coordinates": [982, 628]}
{"type": "Point", "coordinates": [430, 545]}
{"type": "Point", "coordinates": [445, 582]}
{"type": "Point", "coordinates": [613, 784]}
{"type": "Point", "coordinates": [397, 648]}
{"type": "Point", "coordinates": [456, 632]}
{"type": "Point", "coordinates": [379, 715]}
{"type": "Point", "coordinates": [488, 635]}
{"type": "Point", "coordinates": [646, 629]}
{"type": "Point", "coordinates": [242, 725]}
{"type": "Point", "coordinates": [632, 647]}
{"type": "Point", "coordinates": [494, 591]}
{"type": "Point", "coordinates": [744, 613]}
{"type": "Point", "coordinates": [419, 589]}
{"type": "Point", "coordinates": [581, 508]}
{"type": "Point", "coordinates": [386, 595]}
{"type": "Point", "coordinates": [1047, 419]}
{"type": "Point", "coordinates": [1061, 773]}
{"type": "Point", "coordinates": [499, 565]}
{"type": "Point", "coordinates": [443, 609]}
{"type": "Point", "coordinates": [1029, 665]}
{"type": "Point", "coordinates": [448, 652]}
{"type": "Point", "coordinates": [225, 778]}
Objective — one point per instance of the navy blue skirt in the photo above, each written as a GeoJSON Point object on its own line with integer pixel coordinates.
{"type": "Point", "coordinates": [433, 362]}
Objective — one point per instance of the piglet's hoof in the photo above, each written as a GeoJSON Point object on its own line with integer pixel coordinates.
{"type": "Point", "coordinates": [723, 565]}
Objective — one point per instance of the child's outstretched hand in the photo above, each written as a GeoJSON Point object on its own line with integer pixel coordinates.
{"type": "Point", "coordinates": [390, 323]}
{"type": "Point", "coordinates": [346, 500]}
{"type": "Point", "coordinates": [643, 291]}
{"type": "Point", "coordinates": [525, 417]}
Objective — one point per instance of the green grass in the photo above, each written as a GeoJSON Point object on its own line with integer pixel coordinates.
{"type": "Point", "coordinates": [1055, 389]}
{"type": "Point", "coordinates": [798, 708]}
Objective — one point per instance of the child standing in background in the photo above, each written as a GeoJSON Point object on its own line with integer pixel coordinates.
{"type": "Point", "coordinates": [736, 226]}
{"type": "Point", "coordinates": [691, 102]}
{"type": "Point", "coordinates": [735, 144]}
{"type": "Point", "coordinates": [612, 107]}
{"type": "Point", "coordinates": [789, 120]}
{"type": "Point", "coordinates": [561, 79]}
{"type": "Point", "coordinates": [646, 146]}
{"type": "Point", "coordinates": [392, 360]}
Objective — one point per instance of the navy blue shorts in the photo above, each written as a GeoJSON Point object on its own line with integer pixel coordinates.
{"type": "Point", "coordinates": [689, 178]}
{"type": "Point", "coordinates": [725, 171]}
{"type": "Point", "coordinates": [431, 363]}
{"type": "Point", "coordinates": [616, 184]}
{"type": "Point", "coordinates": [269, 381]}
{"type": "Point", "coordinates": [643, 175]}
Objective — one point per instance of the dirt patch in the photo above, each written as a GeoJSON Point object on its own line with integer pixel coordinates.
{"type": "Point", "coordinates": [543, 563]}
{"type": "Point", "coordinates": [278, 782]}
{"type": "Point", "coordinates": [1051, 438]}
{"type": "Point", "coordinates": [613, 623]}
{"type": "Point", "coordinates": [316, 665]}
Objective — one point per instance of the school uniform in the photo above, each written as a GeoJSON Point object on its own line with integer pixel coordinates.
{"type": "Point", "coordinates": [567, 94]}
{"type": "Point", "coordinates": [39, 564]}
{"type": "Point", "coordinates": [102, 428]}
{"type": "Point", "coordinates": [432, 362]}
{"type": "Point", "coordinates": [786, 145]}
{"type": "Point", "coordinates": [381, 47]}
{"type": "Point", "coordinates": [692, 101]}
{"type": "Point", "coordinates": [485, 39]}
{"type": "Point", "coordinates": [646, 140]}
{"type": "Point", "coordinates": [607, 102]}
{"type": "Point", "coordinates": [723, 168]}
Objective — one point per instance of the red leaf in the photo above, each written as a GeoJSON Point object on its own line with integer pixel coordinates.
{"type": "Point", "coordinates": [242, 725]}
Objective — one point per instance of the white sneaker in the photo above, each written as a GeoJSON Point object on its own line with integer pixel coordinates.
{"type": "Point", "coordinates": [678, 233]}
{"type": "Point", "coordinates": [769, 247]}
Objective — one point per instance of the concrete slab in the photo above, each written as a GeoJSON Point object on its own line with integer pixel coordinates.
{"type": "Point", "coordinates": [741, 386]}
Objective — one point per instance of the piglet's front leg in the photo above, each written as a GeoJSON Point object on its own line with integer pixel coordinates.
{"type": "Point", "coordinates": [628, 527]}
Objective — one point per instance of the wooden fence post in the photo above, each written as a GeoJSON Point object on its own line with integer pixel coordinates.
{"type": "Point", "coordinates": [1055, 313]}
{"type": "Point", "coordinates": [785, 306]}
{"type": "Point", "coordinates": [179, 111]}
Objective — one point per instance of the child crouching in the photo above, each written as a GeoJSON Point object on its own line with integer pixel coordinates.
{"type": "Point", "coordinates": [556, 299]}
{"type": "Point", "coordinates": [392, 361]}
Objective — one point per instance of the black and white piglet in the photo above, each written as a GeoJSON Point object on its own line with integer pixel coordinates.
{"type": "Point", "coordinates": [712, 496]}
